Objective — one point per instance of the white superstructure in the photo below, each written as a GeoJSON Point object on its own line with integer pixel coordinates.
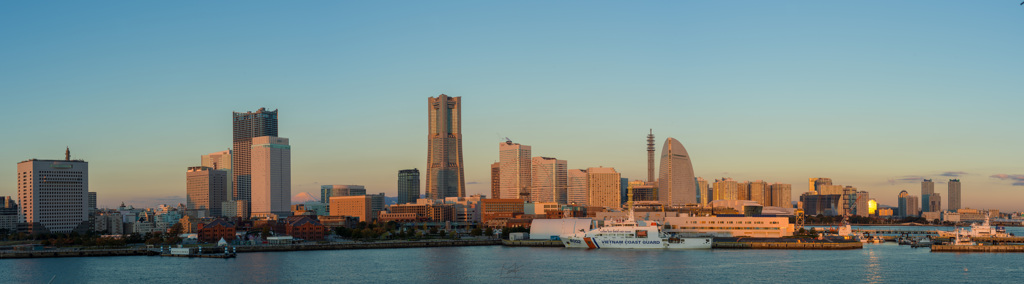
{"type": "Point", "coordinates": [632, 234]}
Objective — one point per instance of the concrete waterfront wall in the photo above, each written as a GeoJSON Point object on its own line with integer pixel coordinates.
{"type": "Point", "coordinates": [370, 245]}
{"type": "Point", "coordinates": [257, 248]}
{"type": "Point", "coordinates": [984, 248]}
{"type": "Point", "coordinates": [76, 253]}
{"type": "Point", "coordinates": [787, 245]}
{"type": "Point", "coordinates": [532, 243]}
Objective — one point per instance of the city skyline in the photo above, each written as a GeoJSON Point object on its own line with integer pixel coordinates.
{"type": "Point", "coordinates": [918, 91]}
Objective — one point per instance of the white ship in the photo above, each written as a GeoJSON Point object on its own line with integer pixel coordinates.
{"type": "Point", "coordinates": [977, 231]}
{"type": "Point", "coordinates": [632, 234]}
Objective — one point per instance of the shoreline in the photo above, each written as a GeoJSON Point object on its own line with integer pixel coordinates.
{"type": "Point", "coordinates": [246, 249]}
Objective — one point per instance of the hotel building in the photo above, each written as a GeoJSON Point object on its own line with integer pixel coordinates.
{"type": "Point", "coordinates": [53, 195]}
{"type": "Point", "coordinates": [271, 177]}
{"type": "Point", "coordinates": [445, 177]}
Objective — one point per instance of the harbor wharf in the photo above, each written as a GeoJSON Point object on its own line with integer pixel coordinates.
{"type": "Point", "coordinates": [255, 248]}
{"type": "Point", "coordinates": [979, 248]}
{"type": "Point", "coordinates": [784, 243]}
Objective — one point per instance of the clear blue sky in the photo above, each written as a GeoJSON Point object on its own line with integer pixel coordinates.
{"type": "Point", "coordinates": [874, 94]}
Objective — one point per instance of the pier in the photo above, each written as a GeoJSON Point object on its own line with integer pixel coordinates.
{"type": "Point", "coordinates": [532, 243]}
{"type": "Point", "coordinates": [980, 248]}
{"type": "Point", "coordinates": [913, 233]}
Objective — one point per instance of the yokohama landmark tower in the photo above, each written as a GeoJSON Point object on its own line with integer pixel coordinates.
{"type": "Point", "coordinates": [445, 176]}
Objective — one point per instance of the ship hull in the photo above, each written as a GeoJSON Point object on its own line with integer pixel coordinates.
{"type": "Point", "coordinates": [633, 243]}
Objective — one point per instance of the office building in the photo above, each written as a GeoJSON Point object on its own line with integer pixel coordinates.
{"type": "Point", "coordinates": [731, 226]}
{"type": "Point", "coordinates": [516, 167]}
{"type": "Point", "coordinates": [92, 202]}
{"type": "Point", "coordinates": [328, 190]}
{"type": "Point", "coordinates": [54, 195]}
{"type": "Point", "coordinates": [221, 161]}
{"type": "Point", "coordinates": [577, 187]}
{"type": "Point", "coordinates": [603, 187]}
{"type": "Point", "coordinates": [271, 178]}
{"type": "Point", "coordinates": [496, 180]}
{"type": "Point", "coordinates": [758, 190]}
{"type": "Point", "coordinates": [705, 193]}
{"type": "Point", "coordinates": [549, 181]}
{"type": "Point", "coordinates": [650, 157]}
{"type": "Point", "coordinates": [781, 195]}
{"type": "Point", "coordinates": [364, 207]}
{"type": "Point", "coordinates": [725, 189]}
{"type": "Point", "coordinates": [623, 189]}
{"type": "Point", "coordinates": [408, 186]}
{"type": "Point", "coordinates": [246, 126]}
{"type": "Point", "coordinates": [676, 184]}
{"type": "Point", "coordinates": [445, 177]}
{"type": "Point", "coordinates": [205, 190]}
{"type": "Point", "coordinates": [817, 183]}
{"type": "Point", "coordinates": [954, 194]}
{"type": "Point", "coordinates": [931, 203]}
{"type": "Point", "coordinates": [927, 187]}
{"type": "Point", "coordinates": [500, 209]}
{"type": "Point", "coordinates": [821, 204]}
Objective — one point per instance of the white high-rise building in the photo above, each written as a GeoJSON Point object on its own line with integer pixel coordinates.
{"type": "Point", "coordinates": [54, 194]}
{"type": "Point", "coordinates": [676, 183]}
{"type": "Point", "coordinates": [271, 172]}
{"type": "Point", "coordinates": [604, 187]}
{"type": "Point", "coordinates": [549, 180]}
{"type": "Point", "coordinates": [577, 187]}
{"type": "Point", "coordinates": [516, 168]}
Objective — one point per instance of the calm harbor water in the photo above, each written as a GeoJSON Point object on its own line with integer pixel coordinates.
{"type": "Point", "coordinates": [875, 263]}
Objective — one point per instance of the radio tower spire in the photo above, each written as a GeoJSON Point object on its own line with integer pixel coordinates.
{"type": "Point", "coordinates": [650, 157]}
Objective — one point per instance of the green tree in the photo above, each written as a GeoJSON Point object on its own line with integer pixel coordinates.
{"type": "Point", "coordinates": [177, 229]}
{"type": "Point", "coordinates": [489, 232]}
{"type": "Point", "coordinates": [476, 232]}
{"type": "Point", "coordinates": [265, 233]}
{"type": "Point", "coordinates": [433, 230]}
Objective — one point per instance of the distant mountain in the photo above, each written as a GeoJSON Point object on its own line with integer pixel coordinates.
{"type": "Point", "coordinates": [303, 197]}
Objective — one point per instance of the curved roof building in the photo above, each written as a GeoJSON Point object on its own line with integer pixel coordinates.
{"type": "Point", "coordinates": [676, 183]}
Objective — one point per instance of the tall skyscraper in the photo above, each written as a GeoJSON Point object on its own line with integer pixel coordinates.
{"type": "Point", "coordinates": [408, 186]}
{"type": "Point", "coordinates": [496, 180]}
{"type": "Point", "coordinates": [760, 193]}
{"type": "Point", "coordinates": [782, 195]}
{"type": "Point", "coordinates": [702, 186]}
{"type": "Point", "coordinates": [205, 190]}
{"type": "Point", "coordinates": [246, 126]}
{"type": "Point", "coordinates": [54, 194]}
{"type": "Point", "coordinates": [725, 189]}
{"type": "Point", "coordinates": [445, 176]}
{"type": "Point", "coordinates": [271, 177]}
{"type": "Point", "coordinates": [954, 194]}
{"type": "Point", "coordinates": [549, 180]}
{"type": "Point", "coordinates": [675, 179]}
{"type": "Point", "coordinates": [577, 191]}
{"type": "Point", "coordinates": [901, 200]}
{"type": "Point", "coordinates": [820, 184]}
{"type": "Point", "coordinates": [650, 157]}
{"type": "Point", "coordinates": [603, 187]}
{"type": "Point", "coordinates": [927, 188]}
{"type": "Point", "coordinates": [516, 167]}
